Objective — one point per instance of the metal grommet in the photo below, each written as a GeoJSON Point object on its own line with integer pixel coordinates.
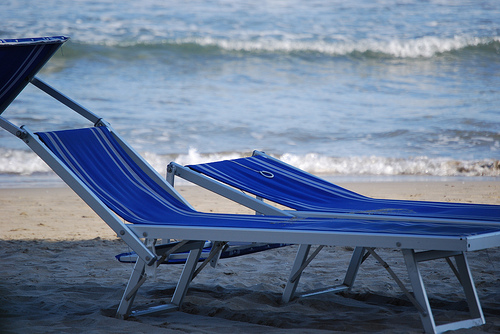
{"type": "Point", "coordinates": [267, 174]}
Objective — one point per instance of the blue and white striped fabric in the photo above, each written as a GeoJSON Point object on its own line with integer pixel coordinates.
{"type": "Point", "coordinates": [102, 164]}
{"type": "Point", "coordinates": [25, 58]}
{"type": "Point", "coordinates": [302, 191]}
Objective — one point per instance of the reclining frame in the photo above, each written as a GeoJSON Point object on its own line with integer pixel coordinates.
{"type": "Point", "coordinates": [412, 258]}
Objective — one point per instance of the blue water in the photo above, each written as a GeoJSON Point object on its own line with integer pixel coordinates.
{"type": "Point", "coordinates": [336, 87]}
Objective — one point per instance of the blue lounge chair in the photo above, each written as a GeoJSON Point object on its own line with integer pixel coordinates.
{"type": "Point", "coordinates": [306, 195]}
{"type": "Point", "coordinates": [139, 205]}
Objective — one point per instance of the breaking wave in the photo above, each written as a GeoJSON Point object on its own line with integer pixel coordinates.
{"type": "Point", "coordinates": [424, 47]}
{"type": "Point", "coordinates": [421, 47]}
{"type": "Point", "coordinates": [18, 162]}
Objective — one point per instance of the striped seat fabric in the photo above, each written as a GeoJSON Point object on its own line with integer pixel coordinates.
{"type": "Point", "coordinates": [102, 164]}
{"type": "Point", "coordinates": [303, 191]}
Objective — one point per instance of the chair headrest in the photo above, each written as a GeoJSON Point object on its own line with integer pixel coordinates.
{"type": "Point", "coordinates": [20, 61]}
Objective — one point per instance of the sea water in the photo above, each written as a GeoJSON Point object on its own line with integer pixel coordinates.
{"type": "Point", "coordinates": [358, 88]}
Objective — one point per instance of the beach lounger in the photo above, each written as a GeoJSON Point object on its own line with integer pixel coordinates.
{"type": "Point", "coordinates": [140, 206]}
{"type": "Point", "coordinates": [306, 195]}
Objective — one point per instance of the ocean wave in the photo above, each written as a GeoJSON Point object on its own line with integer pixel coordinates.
{"type": "Point", "coordinates": [18, 162]}
{"type": "Point", "coordinates": [383, 166]}
{"type": "Point", "coordinates": [424, 47]}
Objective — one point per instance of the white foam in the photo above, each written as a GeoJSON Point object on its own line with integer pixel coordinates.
{"type": "Point", "coordinates": [18, 162]}
{"type": "Point", "coordinates": [423, 47]}
{"type": "Point", "coordinates": [373, 165]}
{"type": "Point", "coordinates": [194, 157]}
{"type": "Point", "coordinates": [21, 163]}
{"type": "Point", "coordinates": [426, 46]}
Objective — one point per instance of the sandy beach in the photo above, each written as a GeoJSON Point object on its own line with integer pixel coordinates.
{"type": "Point", "coordinates": [59, 275]}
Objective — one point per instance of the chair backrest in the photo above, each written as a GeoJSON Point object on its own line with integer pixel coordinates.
{"type": "Point", "coordinates": [20, 60]}
{"type": "Point", "coordinates": [278, 182]}
{"type": "Point", "coordinates": [303, 191]}
{"type": "Point", "coordinates": [99, 161]}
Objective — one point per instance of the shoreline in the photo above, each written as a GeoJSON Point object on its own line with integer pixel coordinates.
{"type": "Point", "coordinates": [60, 274]}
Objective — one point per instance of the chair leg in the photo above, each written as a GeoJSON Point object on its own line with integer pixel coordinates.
{"type": "Point", "coordinates": [465, 278]}
{"type": "Point", "coordinates": [469, 288]}
{"type": "Point", "coordinates": [290, 287]}
{"type": "Point", "coordinates": [301, 261]}
{"type": "Point", "coordinates": [139, 276]}
{"type": "Point", "coordinates": [419, 291]}
{"type": "Point", "coordinates": [136, 279]}
{"type": "Point", "coordinates": [352, 270]}
{"type": "Point", "coordinates": [187, 275]}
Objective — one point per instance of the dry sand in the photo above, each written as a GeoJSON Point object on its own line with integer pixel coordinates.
{"type": "Point", "coordinates": [59, 275]}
